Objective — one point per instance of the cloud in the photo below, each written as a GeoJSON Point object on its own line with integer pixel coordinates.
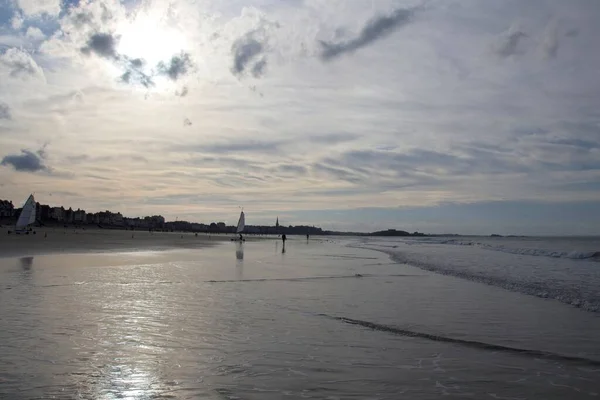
{"type": "Point", "coordinates": [508, 42]}
{"type": "Point", "coordinates": [246, 50]}
{"type": "Point", "coordinates": [103, 45]}
{"type": "Point", "coordinates": [377, 28]}
{"type": "Point", "coordinates": [20, 64]}
{"type": "Point", "coordinates": [17, 21]}
{"type": "Point", "coordinates": [38, 7]}
{"type": "Point", "coordinates": [333, 138]}
{"type": "Point", "coordinates": [549, 45]}
{"type": "Point", "coordinates": [573, 32]}
{"type": "Point", "coordinates": [183, 92]}
{"type": "Point", "coordinates": [259, 68]}
{"type": "Point", "coordinates": [5, 111]}
{"type": "Point", "coordinates": [246, 146]}
{"type": "Point", "coordinates": [187, 122]}
{"type": "Point", "coordinates": [35, 33]}
{"type": "Point", "coordinates": [134, 71]}
{"type": "Point", "coordinates": [27, 161]}
{"type": "Point", "coordinates": [177, 67]}
{"type": "Point", "coordinates": [292, 169]}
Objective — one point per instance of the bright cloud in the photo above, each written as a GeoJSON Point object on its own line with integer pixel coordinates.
{"type": "Point", "coordinates": [191, 108]}
{"type": "Point", "coordinates": [38, 7]}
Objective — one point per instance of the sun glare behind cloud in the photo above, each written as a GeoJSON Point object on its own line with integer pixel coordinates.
{"type": "Point", "coordinates": [150, 39]}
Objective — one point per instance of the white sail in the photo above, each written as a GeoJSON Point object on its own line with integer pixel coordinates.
{"type": "Point", "coordinates": [27, 216]}
{"type": "Point", "coordinates": [241, 223]}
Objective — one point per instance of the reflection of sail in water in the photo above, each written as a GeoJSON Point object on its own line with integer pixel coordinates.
{"type": "Point", "coordinates": [239, 264]}
{"type": "Point", "coordinates": [239, 251]}
{"type": "Point", "coordinates": [26, 263]}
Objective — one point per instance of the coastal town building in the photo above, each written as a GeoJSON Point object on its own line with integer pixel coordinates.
{"type": "Point", "coordinates": [7, 209]}
{"type": "Point", "coordinates": [47, 215]}
{"type": "Point", "coordinates": [57, 214]}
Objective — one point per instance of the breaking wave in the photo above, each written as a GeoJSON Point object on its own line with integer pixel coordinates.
{"type": "Point", "coordinates": [573, 255]}
{"type": "Point", "coordinates": [572, 293]}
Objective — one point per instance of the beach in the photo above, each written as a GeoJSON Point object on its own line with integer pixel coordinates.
{"type": "Point", "coordinates": [76, 240]}
{"type": "Point", "coordinates": [325, 318]}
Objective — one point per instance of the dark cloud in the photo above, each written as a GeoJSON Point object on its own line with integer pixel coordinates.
{"type": "Point", "coordinates": [103, 45]}
{"type": "Point", "coordinates": [134, 73]}
{"type": "Point", "coordinates": [183, 92]}
{"type": "Point", "coordinates": [579, 143]}
{"type": "Point", "coordinates": [27, 161]}
{"type": "Point", "coordinates": [137, 62]}
{"type": "Point", "coordinates": [243, 147]}
{"type": "Point", "coordinates": [387, 170]}
{"type": "Point", "coordinates": [5, 111]}
{"type": "Point", "coordinates": [508, 43]}
{"type": "Point", "coordinates": [236, 163]}
{"type": "Point", "coordinates": [81, 19]}
{"type": "Point", "coordinates": [472, 160]}
{"type": "Point", "coordinates": [572, 32]}
{"type": "Point", "coordinates": [246, 50]}
{"type": "Point", "coordinates": [177, 67]}
{"type": "Point", "coordinates": [259, 68]}
{"type": "Point", "coordinates": [291, 168]}
{"type": "Point", "coordinates": [131, 76]}
{"type": "Point", "coordinates": [80, 14]}
{"type": "Point", "coordinates": [377, 28]}
{"type": "Point", "coordinates": [187, 122]}
{"type": "Point", "coordinates": [333, 138]}
{"type": "Point", "coordinates": [337, 173]}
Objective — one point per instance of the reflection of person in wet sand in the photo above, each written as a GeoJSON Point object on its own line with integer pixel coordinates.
{"type": "Point", "coordinates": [26, 263]}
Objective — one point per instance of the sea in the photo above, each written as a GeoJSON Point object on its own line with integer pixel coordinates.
{"type": "Point", "coordinates": [324, 318]}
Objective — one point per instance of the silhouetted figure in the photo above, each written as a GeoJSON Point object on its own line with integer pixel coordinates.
{"type": "Point", "coordinates": [241, 237]}
{"type": "Point", "coordinates": [307, 236]}
{"type": "Point", "coordinates": [283, 238]}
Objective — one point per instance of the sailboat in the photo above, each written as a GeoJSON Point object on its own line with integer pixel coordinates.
{"type": "Point", "coordinates": [27, 216]}
{"type": "Point", "coordinates": [240, 226]}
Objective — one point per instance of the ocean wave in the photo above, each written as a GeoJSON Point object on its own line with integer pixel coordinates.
{"type": "Point", "coordinates": [573, 255]}
{"type": "Point", "coordinates": [467, 343]}
{"type": "Point", "coordinates": [569, 295]}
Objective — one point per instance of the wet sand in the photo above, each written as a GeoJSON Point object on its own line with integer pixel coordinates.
{"type": "Point", "coordinates": [251, 321]}
{"type": "Point", "coordinates": [70, 240]}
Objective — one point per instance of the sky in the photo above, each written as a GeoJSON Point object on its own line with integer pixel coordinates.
{"type": "Point", "coordinates": [438, 116]}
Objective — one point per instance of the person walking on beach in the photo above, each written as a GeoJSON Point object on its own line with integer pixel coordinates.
{"type": "Point", "coordinates": [283, 238]}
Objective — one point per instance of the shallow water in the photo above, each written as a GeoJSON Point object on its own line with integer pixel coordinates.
{"type": "Point", "coordinates": [250, 322]}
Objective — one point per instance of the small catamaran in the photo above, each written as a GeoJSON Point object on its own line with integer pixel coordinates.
{"type": "Point", "coordinates": [27, 216]}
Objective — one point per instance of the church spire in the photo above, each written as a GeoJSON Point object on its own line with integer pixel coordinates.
{"type": "Point", "coordinates": [277, 223]}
